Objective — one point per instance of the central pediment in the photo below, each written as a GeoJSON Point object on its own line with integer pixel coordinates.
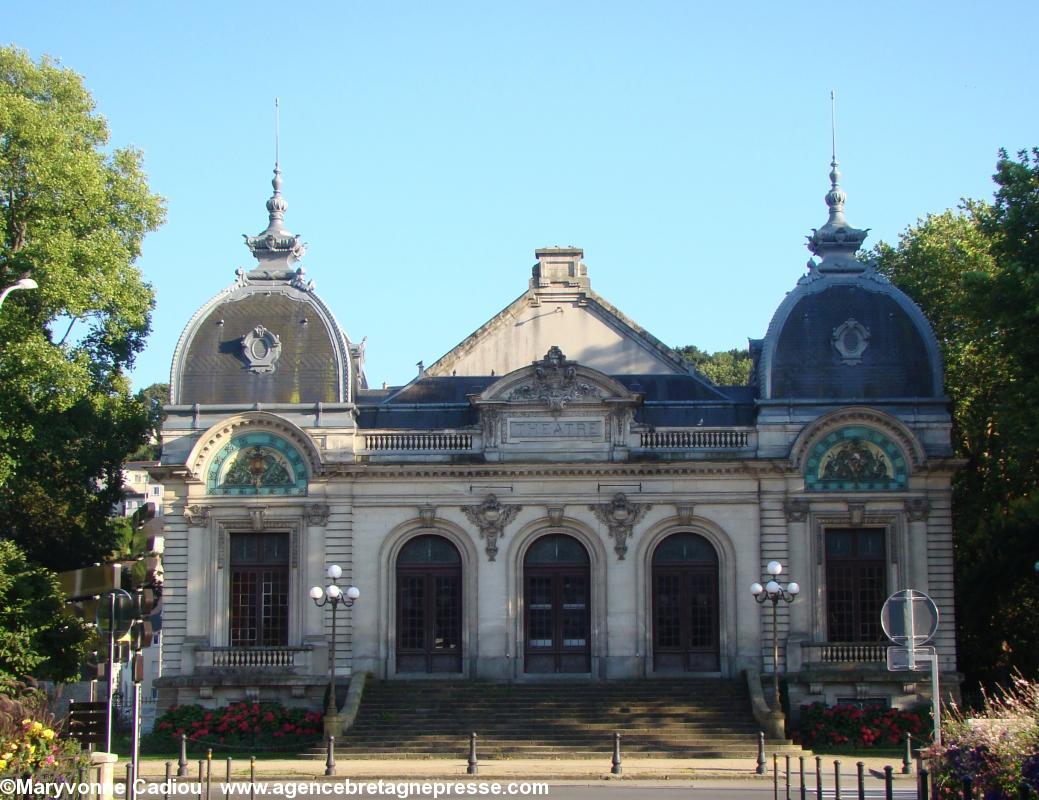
{"type": "Point", "coordinates": [556, 409]}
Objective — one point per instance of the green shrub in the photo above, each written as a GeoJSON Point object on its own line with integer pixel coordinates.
{"type": "Point", "coordinates": [240, 726]}
{"type": "Point", "coordinates": [854, 727]}
{"type": "Point", "coordinates": [996, 748]}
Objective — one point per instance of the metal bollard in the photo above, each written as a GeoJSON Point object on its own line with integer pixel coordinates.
{"type": "Point", "coordinates": [474, 766]}
{"type": "Point", "coordinates": [182, 762]}
{"type": "Point", "coordinates": [227, 770]}
{"type": "Point", "coordinates": [775, 776]}
{"type": "Point", "coordinates": [330, 756]}
{"type": "Point", "coordinates": [836, 780]}
{"type": "Point", "coordinates": [861, 770]}
{"type": "Point", "coordinates": [252, 777]}
{"type": "Point", "coordinates": [907, 758]}
{"type": "Point", "coordinates": [201, 775]}
{"type": "Point", "coordinates": [922, 792]}
{"type": "Point", "coordinates": [761, 754]}
{"type": "Point", "coordinates": [209, 773]}
{"type": "Point", "coordinates": [818, 778]}
{"type": "Point", "coordinates": [130, 781]}
{"type": "Point", "coordinates": [801, 771]}
{"type": "Point", "coordinates": [166, 783]}
{"type": "Point", "coordinates": [889, 783]}
{"type": "Point", "coordinates": [616, 769]}
{"type": "Point", "coordinates": [80, 780]}
{"type": "Point", "coordinates": [786, 770]}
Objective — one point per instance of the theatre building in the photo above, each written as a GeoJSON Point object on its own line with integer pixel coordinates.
{"type": "Point", "coordinates": [561, 496]}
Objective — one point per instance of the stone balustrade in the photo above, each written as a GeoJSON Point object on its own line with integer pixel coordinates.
{"type": "Point", "coordinates": [843, 652]}
{"type": "Point", "coordinates": [696, 439]}
{"type": "Point", "coordinates": [423, 442]}
{"type": "Point", "coordinates": [262, 658]}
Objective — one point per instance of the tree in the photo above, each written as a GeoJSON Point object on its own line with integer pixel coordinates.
{"type": "Point", "coordinates": [38, 636]}
{"type": "Point", "coordinates": [725, 368]}
{"type": "Point", "coordinates": [72, 216]}
{"type": "Point", "coordinates": [975, 274]}
{"type": "Point", "coordinates": [154, 398]}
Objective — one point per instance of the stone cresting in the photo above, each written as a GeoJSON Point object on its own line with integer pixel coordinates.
{"type": "Point", "coordinates": [620, 515]}
{"type": "Point", "coordinates": [491, 517]}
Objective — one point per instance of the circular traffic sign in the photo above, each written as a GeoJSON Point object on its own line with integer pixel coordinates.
{"type": "Point", "coordinates": [909, 618]}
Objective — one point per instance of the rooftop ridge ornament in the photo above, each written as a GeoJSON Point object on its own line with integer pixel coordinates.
{"type": "Point", "coordinates": [836, 242]}
{"type": "Point", "coordinates": [276, 247]}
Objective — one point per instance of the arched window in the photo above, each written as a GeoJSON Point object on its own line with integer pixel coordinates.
{"type": "Point", "coordinates": [429, 606]}
{"type": "Point", "coordinates": [685, 605]}
{"type": "Point", "coordinates": [557, 580]}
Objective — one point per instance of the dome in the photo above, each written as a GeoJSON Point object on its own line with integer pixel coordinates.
{"type": "Point", "coordinates": [262, 342]}
{"type": "Point", "coordinates": [849, 337]}
{"type": "Point", "coordinates": [267, 338]}
{"type": "Point", "coordinates": [845, 332]}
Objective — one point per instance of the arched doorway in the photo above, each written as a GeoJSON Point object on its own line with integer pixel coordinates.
{"type": "Point", "coordinates": [429, 606]}
{"type": "Point", "coordinates": [685, 605]}
{"type": "Point", "coordinates": [557, 598]}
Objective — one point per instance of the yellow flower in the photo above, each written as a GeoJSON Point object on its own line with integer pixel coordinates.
{"type": "Point", "coordinates": [26, 721]}
{"type": "Point", "coordinates": [37, 727]}
{"type": "Point", "coordinates": [48, 734]}
{"type": "Point", "coordinates": [3, 763]}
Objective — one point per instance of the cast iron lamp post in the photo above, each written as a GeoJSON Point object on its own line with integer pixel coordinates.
{"type": "Point", "coordinates": [21, 283]}
{"type": "Point", "coordinates": [773, 592]}
{"type": "Point", "coordinates": [333, 595]}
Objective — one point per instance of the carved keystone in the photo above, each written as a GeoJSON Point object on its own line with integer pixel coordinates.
{"type": "Point", "coordinates": [491, 517]}
{"type": "Point", "coordinates": [620, 515]}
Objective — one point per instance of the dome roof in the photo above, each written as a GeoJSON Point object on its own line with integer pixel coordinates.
{"type": "Point", "coordinates": [849, 336]}
{"type": "Point", "coordinates": [846, 332]}
{"type": "Point", "coordinates": [267, 338]}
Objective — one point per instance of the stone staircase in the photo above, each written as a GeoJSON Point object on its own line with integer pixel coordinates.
{"type": "Point", "coordinates": [680, 718]}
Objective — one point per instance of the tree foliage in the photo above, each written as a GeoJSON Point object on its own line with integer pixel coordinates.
{"type": "Point", "coordinates": [38, 637]}
{"type": "Point", "coordinates": [975, 274]}
{"type": "Point", "coordinates": [725, 368]}
{"type": "Point", "coordinates": [73, 215]}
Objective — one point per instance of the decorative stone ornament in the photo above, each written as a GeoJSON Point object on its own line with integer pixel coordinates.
{"type": "Point", "coordinates": [555, 383]}
{"type": "Point", "coordinates": [620, 515]}
{"type": "Point", "coordinates": [260, 349]}
{"type": "Point", "coordinates": [317, 514]}
{"type": "Point", "coordinates": [197, 516]}
{"type": "Point", "coordinates": [851, 339]}
{"type": "Point", "coordinates": [855, 458]}
{"type": "Point", "coordinates": [796, 509]}
{"type": "Point", "coordinates": [491, 517]}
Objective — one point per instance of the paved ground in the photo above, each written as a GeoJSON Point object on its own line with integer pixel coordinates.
{"type": "Point", "coordinates": [540, 770]}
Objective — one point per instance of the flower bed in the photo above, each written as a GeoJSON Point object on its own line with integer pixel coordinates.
{"type": "Point", "coordinates": [996, 749]}
{"type": "Point", "coordinates": [854, 727]}
{"type": "Point", "coordinates": [30, 740]}
{"type": "Point", "coordinates": [254, 726]}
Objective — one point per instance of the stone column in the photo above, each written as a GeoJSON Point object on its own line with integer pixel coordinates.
{"type": "Point", "coordinates": [917, 511]}
{"type": "Point", "coordinates": [800, 571]}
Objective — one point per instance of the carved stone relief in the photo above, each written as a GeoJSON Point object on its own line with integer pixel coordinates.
{"type": "Point", "coordinates": [197, 516]}
{"type": "Point", "coordinates": [555, 383]}
{"type": "Point", "coordinates": [491, 517]}
{"type": "Point", "coordinates": [917, 509]}
{"type": "Point", "coordinates": [796, 509]}
{"type": "Point", "coordinates": [317, 514]}
{"type": "Point", "coordinates": [620, 515]}
{"type": "Point", "coordinates": [851, 339]}
{"type": "Point", "coordinates": [260, 349]}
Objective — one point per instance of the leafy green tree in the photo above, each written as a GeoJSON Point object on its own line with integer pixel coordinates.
{"type": "Point", "coordinates": [975, 274]}
{"type": "Point", "coordinates": [38, 637]}
{"type": "Point", "coordinates": [725, 368]}
{"type": "Point", "coordinates": [72, 216]}
{"type": "Point", "coordinates": [154, 398]}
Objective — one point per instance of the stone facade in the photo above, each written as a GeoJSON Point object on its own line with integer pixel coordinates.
{"type": "Point", "coordinates": [561, 496]}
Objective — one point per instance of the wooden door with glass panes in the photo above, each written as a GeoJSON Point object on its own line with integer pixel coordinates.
{"type": "Point", "coordinates": [557, 599]}
{"type": "Point", "coordinates": [429, 606]}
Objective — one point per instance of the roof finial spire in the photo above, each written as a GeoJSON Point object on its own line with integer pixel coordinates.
{"type": "Point", "coordinates": [276, 242]}
{"type": "Point", "coordinates": [836, 241]}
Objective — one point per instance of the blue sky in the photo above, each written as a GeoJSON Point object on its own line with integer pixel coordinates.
{"type": "Point", "coordinates": [429, 148]}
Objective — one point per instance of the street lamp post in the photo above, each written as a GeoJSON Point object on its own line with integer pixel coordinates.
{"type": "Point", "coordinates": [773, 592]}
{"type": "Point", "coordinates": [333, 595]}
{"type": "Point", "coordinates": [21, 283]}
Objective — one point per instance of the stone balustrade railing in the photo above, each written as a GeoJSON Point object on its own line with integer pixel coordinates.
{"type": "Point", "coordinates": [843, 652]}
{"type": "Point", "coordinates": [418, 442]}
{"type": "Point", "coordinates": [695, 439]}
{"type": "Point", "coordinates": [272, 658]}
